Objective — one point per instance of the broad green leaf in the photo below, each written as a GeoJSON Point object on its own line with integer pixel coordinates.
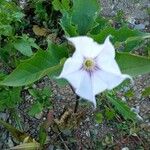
{"type": "Point", "coordinates": [24, 45]}
{"type": "Point", "coordinates": [142, 36]}
{"type": "Point", "coordinates": [124, 36]}
{"type": "Point", "coordinates": [102, 23]}
{"type": "Point", "coordinates": [24, 48]}
{"type": "Point", "coordinates": [134, 41]}
{"type": "Point", "coordinates": [35, 109]}
{"type": "Point", "coordinates": [120, 35]}
{"type": "Point", "coordinates": [132, 64]}
{"type": "Point", "coordinates": [31, 70]}
{"type": "Point", "coordinates": [67, 26]}
{"type": "Point", "coordinates": [57, 51]}
{"type": "Point", "coordinates": [121, 107]}
{"type": "Point", "coordinates": [84, 14]}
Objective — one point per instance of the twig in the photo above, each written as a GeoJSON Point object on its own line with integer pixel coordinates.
{"type": "Point", "coordinates": [66, 147]}
{"type": "Point", "coordinates": [60, 136]}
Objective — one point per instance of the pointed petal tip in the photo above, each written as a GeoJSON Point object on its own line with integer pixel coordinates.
{"type": "Point", "coordinates": [108, 38]}
{"type": "Point", "coordinates": [94, 103]}
{"type": "Point", "coordinates": [126, 76]}
{"type": "Point", "coordinates": [57, 77]}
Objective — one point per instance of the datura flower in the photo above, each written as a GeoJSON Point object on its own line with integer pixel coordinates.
{"type": "Point", "coordinates": [92, 68]}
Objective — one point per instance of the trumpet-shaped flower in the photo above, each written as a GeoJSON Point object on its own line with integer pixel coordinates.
{"type": "Point", "coordinates": [92, 68]}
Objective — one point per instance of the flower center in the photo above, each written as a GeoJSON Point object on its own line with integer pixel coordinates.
{"type": "Point", "coordinates": [88, 64]}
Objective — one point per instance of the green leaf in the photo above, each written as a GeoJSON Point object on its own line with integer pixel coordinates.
{"type": "Point", "coordinates": [40, 10]}
{"type": "Point", "coordinates": [121, 107]}
{"type": "Point", "coordinates": [132, 64]}
{"type": "Point", "coordinates": [42, 135]}
{"type": "Point", "coordinates": [19, 135]}
{"type": "Point", "coordinates": [31, 70]}
{"type": "Point", "coordinates": [99, 117]}
{"type": "Point", "coordinates": [102, 24]}
{"type": "Point", "coordinates": [120, 35]}
{"type": "Point", "coordinates": [146, 92]}
{"type": "Point", "coordinates": [134, 41]}
{"type": "Point", "coordinates": [66, 4]}
{"type": "Point", "coordinates": [67, 25]}
{"type": "Point", "coordinates": [135, 38]}
{"type": "Point", "coordinates": [109, 113]}
{"type": "Point", "coordinates": [6, 30]}
{"type": "Point", "coordinates": [47, 91]}
{"type": "Point", "coordinates": [129, 93]}
{"type": "Point", "coordinates": [63, 5]}
{"type": "Point", "coordinates": [2, 75]}
{"type": "Point", "coordinates": [34, 93]}
{"type": "Point", "coordinates": [124, 36]}
{"type": "Point", "coordinates": [84, 15]}
{"type": "Point", "coordinates": [57, 5]}
{"type": "Point", "coordinates": [28, 146]}
{"type": "Point", "coordinates": [9, 98]}
{"type": "Point", "coordinates": [57, 51]}
{"type": "Point", "coordinates": [35, 109]}
{"type": "Point", "coordinates": [24, 48]}
{"type": "Point", "coordinates": [9, 13]}
{"type": "Point", "coordinates": [24, 45]}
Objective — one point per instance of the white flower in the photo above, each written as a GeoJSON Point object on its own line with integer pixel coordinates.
{"type": "Point", "coordinates": [92, 68]}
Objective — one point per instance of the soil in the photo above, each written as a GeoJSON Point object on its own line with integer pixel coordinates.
{"type": "Point", "coordinates": [90, 135]}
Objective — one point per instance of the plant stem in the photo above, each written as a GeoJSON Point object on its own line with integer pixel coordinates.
{"type": "Point", "coordinates": [77, 104]}
{"type": "Point", "coordinates": [77, 100]}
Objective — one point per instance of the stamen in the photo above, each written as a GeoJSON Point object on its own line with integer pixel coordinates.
{"type": "Point", "coordinates": [88, 64]}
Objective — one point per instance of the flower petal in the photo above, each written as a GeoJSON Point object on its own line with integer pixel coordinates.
{"type": "Point", "coordinates": [108, 65]}
{"type": "Point", "coordinates": [86, 46]}
{"type": "Point", "coordinates": [98, 84]}
{"type": "Point", "coordinates": [71, 65]}
{"type": "Point", "coordinates": [108, 50]}
{"type": "Point", "coordinates": [74, 78]}
{"type": "Point", "coordinates": [85, 89]}
{"type": "Point", "coordinates": [112, 80]}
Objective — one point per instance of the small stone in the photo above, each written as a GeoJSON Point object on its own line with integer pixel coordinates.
{"type": "Point", "coordinates": [3, 116]}
{"type": "Point", "coordinates": [125, 148]}
{"type": "Point", "coordinates": [139, 26]}
{"type": "Point", "coordinates": [39, 115]}
{"type": "Point", "coordinates": [87, 133]}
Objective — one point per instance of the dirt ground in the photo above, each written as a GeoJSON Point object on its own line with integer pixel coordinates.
{"type": "Point", "coordinates": [89, 133]}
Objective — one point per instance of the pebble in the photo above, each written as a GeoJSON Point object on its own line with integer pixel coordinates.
{"type": "Point", "coordinates": [39, 115]}
{"type": "Point", "coordinates": [3, 116]}
{"type": "Point", "coordinates": [139, 26]}
{"type": "Point", "coordinates": [125, 148]}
